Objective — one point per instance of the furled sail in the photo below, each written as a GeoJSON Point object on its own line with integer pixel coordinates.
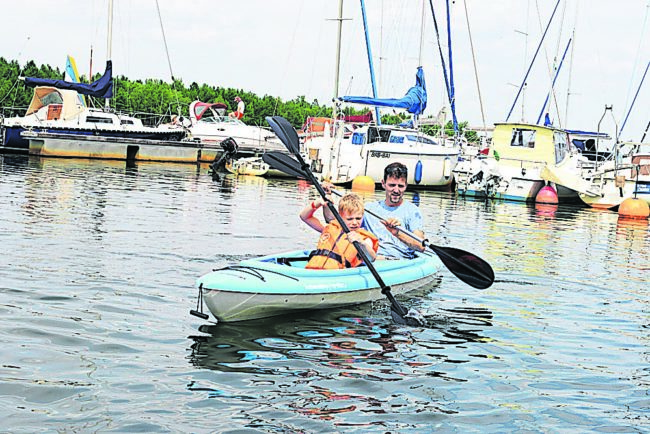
{"type": "Point", "coordinates": [415, 100]}
{"type": "Point", "coordinates": [101, 88]}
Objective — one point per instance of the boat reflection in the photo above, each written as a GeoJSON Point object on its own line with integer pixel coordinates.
{"type": "Point", "coordinates": [352, 345]}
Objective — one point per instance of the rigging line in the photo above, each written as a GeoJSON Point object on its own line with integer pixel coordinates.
{"type": "Point", "coordinates": [552, 70]}
{"type": "Point", "coordinates": [169, 62]}
{"type": "Point", "coordinates": [557, 73]}
{"type": "Point", "coordinates": [442, 56]}
{"type": "Point", "coordinates": [557, 50]}
{"type": "Point", "coordinates": [568, 87]}
{"type": "Point", "coordinates": [478, 86]}
{"type": "Point", "coordinates": [638, 52]}
{"type": "Point", "coordinates": [287, 62]}
{"type": "Point", "coordinates": [451, 74]}
{"type": "Point", "coordinates": [633, 101]}
{"type": "Point", "coordinates": [533, 61]}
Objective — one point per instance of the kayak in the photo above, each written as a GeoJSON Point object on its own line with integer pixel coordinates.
{"type": "Point", "coordinates": [278, 284]}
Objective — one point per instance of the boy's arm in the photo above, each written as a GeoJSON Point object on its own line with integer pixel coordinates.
{"type": "Point", "coordinates": [366, 245]}
{"type": "Point", "coordinates": [307, 215]}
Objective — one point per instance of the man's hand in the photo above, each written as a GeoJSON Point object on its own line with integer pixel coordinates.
{"type": "Point", "coordinates": [392, 224]}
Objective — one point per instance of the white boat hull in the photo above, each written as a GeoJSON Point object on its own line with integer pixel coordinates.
{"type": "Point", "coordinates": [429, 164]}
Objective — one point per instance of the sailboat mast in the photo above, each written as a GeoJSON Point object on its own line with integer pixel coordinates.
{"type": "Point", "coordinates": [452, 92]}
{"type": "Point", "coordinates": [421, 35]}
{"type": "Point", "coordinates": [370, 63]}
{"type": "Point", "coordinates": [338, 52]}
{"type": "Point", "coordinates": [557, 72]}
{"type": "Point", "coordinates": [109, 42]}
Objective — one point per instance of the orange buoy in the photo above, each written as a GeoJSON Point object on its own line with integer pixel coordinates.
{"type": "Point", "coordinates": [546, 195]}
{"type": "Point", "coordinates": [634, 208]}
{"type": "Point", "coordinates": [363, 183]}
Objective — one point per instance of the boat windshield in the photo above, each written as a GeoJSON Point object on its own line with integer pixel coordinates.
{"type": "Point", "coordinates": [221, 120]}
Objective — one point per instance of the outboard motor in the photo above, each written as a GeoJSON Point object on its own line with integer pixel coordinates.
{"type": "Point", "coordinates": [230, 147]}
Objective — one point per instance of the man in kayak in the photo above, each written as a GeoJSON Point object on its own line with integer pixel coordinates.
{"type": "Point", "coordinates": [335, 249]}
{"type": "Point", "coordinates": [396, 213]}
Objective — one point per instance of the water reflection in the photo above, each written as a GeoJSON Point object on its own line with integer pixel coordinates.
{"type": "Point", "coordinates": [331, 340]}
{"type": "Point", "coordinates": [341, 365]}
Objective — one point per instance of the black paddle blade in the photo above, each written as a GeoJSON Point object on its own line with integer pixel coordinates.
{"type": "Point", "coordinates": [285, 132]}
{"type": "Point", "coordinates": [466, 266]}
{"type": "Point", "coordinates": [412, 317]}
{"type": "Point", "coordinates": [284, 163]}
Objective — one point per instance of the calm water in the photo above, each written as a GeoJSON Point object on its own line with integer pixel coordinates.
{"type": "Point", "coordinates": [96, 281]}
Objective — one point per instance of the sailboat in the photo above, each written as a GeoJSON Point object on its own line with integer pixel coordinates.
{"type": "Point", "coordinates": [57, 109]}
{"type": "Point", "coordinates": [364, 149]}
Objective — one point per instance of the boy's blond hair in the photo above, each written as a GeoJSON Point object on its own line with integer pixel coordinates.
{"type": "Point", "coordinates": [350, 203]}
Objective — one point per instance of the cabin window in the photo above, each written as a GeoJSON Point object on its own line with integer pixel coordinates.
{"type": "Point", "coordinates": [99, 120]}
{"type": "Point", "coordinates": [420, 139]}
{"type": "Point", "coordinates": [523, 137]}
{"type": "Point", "coordinates": [377, 135]}
{"type": "Point", "coordinates": [561, 146]}
{"type": "Point", "coordinates": [358, 138]}
{"type": "Point", "coordinates": [126, 122]}
{"type": "Point", "coordinates": [396, 139]}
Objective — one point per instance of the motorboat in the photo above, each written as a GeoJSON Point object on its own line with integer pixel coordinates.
{"type": "Point", "coordinates": [514, 167]}
{"type": "Point", "coordinates": [211, 125]}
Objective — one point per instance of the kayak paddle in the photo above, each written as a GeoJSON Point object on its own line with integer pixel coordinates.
{"type": "Point", "coordinates": [466, 266]}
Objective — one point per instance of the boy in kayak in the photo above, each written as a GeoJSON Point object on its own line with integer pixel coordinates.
{"type": "Point", "coordinates": [393, 244]}
{"type": "Point", "coordinates": [335, 249]}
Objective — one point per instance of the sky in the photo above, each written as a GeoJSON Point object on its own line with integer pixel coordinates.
{"type": "Point", "coordinates": [287, 48]}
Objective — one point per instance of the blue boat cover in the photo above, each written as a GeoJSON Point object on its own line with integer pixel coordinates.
{"type": "Point", "coordinates": [415, 100]}
{"type": "Point", "coordinates": [101, 88]}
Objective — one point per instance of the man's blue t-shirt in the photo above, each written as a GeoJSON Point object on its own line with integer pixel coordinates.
{"type": "Point", "coordinates": [407, 213]}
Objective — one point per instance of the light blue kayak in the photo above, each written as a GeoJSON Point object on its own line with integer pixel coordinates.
{"type": "Point", "coordinates": [277, 284]}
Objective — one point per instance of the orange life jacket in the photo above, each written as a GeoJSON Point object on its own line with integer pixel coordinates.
{"type": "Point", "coordinates": [334, 251]}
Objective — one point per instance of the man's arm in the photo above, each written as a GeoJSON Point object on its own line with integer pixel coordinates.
{"type": "Point", "coordinates": [393, 224]}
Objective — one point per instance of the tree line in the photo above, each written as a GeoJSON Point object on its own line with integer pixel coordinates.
{"type": "Point", "coordinates": [155, 101]}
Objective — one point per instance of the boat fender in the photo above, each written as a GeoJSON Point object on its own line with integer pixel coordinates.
{"type": "Point", "coordinates": [418, 172]}
{"type": "Point", "coordinates": [446, 167]}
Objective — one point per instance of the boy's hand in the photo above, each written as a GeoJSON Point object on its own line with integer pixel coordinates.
{"type": "Point", "coordinates": [354, 236]}
{"type": "Point", "coordinates": [392, 225]}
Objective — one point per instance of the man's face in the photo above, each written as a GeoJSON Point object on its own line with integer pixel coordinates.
{"type": "Point", "coordinates": [395, 188]}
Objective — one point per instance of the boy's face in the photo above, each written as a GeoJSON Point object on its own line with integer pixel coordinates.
{"type": "Point", "coordinates": [395, 188]}
{"type": "Point", "coordinates": [352, 219]}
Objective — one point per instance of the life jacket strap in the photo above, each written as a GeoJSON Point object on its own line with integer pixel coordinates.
{"type": "Point", "coordinates": [332, 255]}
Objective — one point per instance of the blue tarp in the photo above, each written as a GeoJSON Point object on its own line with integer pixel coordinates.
{"type": "Point", "coordinates": [101, 88]}
{"type": "Point", "coordinates": [415, 100]}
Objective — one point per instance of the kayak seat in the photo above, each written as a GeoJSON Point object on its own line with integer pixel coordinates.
{"type": "Point", "coordinates": [288, 261]}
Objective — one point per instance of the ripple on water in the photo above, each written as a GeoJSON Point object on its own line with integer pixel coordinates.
{"type": "Point", "coordinates": [100, 265]}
